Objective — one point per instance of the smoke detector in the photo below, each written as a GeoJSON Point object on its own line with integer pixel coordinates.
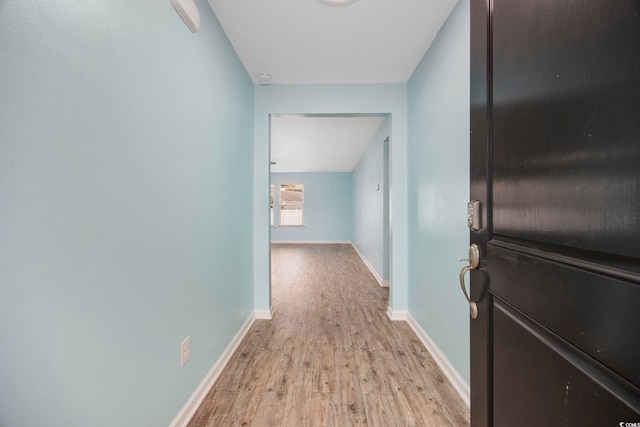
{"type": "Point", "coordinates": [264, 78]}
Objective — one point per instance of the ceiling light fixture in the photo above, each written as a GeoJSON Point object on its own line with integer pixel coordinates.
{"type": "Point", "coordinates": [337, 3]}
{"type": "Point", "coordinates": [264, 78]}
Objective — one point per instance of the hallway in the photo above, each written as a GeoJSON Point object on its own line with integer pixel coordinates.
{"type": "Point", "coordinates": [330, 356]}
{"type": "Point", "coordinates": [134, 179]}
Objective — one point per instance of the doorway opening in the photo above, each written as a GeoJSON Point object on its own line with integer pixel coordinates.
{"type": "Point", "coordinates": [330, 183]}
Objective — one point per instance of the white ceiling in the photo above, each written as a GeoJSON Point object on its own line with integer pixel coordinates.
{"type": "Point", "coordinates": [306, 42]}
{"type": "Point", "coordinates": [320, 144]}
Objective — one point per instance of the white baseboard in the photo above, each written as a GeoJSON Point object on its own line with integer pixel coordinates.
{"type": "Point", "coordinates": [312, 242]}
{"type": "Point", "coordinates": [452, 374]}
{"type": "Point", "coordinates": [396, 315]}
{"type": "Point", "coordinates": [264, 314]}
{"type": "Point", "coordinates": [189, 409]}
{"type": "Point", "coordinates": [370, 267]}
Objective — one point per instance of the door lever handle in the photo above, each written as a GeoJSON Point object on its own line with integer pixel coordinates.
{"type": "Point", "coordinates": [474, 262]}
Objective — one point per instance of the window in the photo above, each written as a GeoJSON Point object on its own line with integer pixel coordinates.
{"type": "Point", "coordinates": [292, 205]}
{"type": "Point", "coordinates": [273, 193]}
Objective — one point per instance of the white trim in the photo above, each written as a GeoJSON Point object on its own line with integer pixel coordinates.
{"type": "Point", "coordinates": [452, 374]}
{"type": "Point", "coordinates": [189, 409]}
{"type": "Point", "coordinates": [312, 242]}
{"type": "Point", "coordinates": [264, 314]}
{"type": "Point", "coordinates": [385, 284]}
{"type": "Point", "coordinates": [370, 267]}
{"type": "Point", "coordinates": [397, 314]}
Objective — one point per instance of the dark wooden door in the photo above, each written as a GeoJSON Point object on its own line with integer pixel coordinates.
{"type": "Point", "coordinates": [555, 148]}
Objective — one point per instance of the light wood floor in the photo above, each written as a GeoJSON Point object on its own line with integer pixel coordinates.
{"type": "Point", "coordinates": [330, 356]}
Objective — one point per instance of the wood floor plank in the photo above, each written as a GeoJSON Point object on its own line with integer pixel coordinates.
{"type": "Point", "coordinates": [270, 411]}
{"type": "Point", "coordinates": [248, 370]}
{"type": "Point", "coordinates": [352, 414]}
{"type": "Point", "coordinates": [223, 408]}
{"type": "Point", "coordinates": [349, 392]}
{"type": "Point", "coordinates": [382, 411]}
{"type": "Point", "coordinates": [330, 356]}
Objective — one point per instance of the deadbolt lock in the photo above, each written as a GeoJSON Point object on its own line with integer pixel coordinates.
{"type": "Point", "coordinates": [473, 215]}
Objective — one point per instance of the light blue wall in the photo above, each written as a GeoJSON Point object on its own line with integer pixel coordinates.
{"type": "Point", "coordinates": [369, 202]}
{"type": "Point", "coordinates": [122, 137]}
{"type": "Point", "coordinates": [327, 207]}
{"type": "Point", "coordinates": [438, 94]}
{"type": "Point", "coordinates": [331, 99]}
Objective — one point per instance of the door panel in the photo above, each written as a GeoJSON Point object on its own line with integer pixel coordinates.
{"type": "Point", "coordinates": [565, 124]}
{"type": "Point", "coordinates": [555, 162]}
{"type": "Point", "coordinates": [592, 311]}
{"type": "Point", "coordinates": [559, 386]}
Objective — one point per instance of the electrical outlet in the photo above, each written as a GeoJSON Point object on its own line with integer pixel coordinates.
{"type": "Point", "coordinates": [185, 351]}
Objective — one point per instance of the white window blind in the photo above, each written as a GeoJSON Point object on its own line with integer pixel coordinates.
{"type": "Point", "coordinates": [292, 204]}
